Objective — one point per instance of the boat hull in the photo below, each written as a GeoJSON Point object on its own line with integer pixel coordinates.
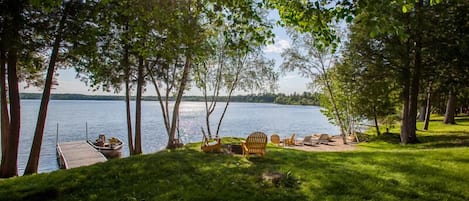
{"type": "Point", "coordinates": [110, 151]}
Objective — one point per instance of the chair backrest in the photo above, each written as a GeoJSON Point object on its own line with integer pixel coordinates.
{"type": "Point", "coordinates": [275, 139]}
{"type": "Point", "coordinates": [324, 137]}
{"type": "Point", "coordinates": [308, 139]}
{"type": "Point", "coordinates": [292, 139]}
{"type": "Point", "coordinates": [256, 140]}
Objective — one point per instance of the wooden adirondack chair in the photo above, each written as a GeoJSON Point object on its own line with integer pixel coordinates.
{"type": "Point", "coordinates": [211, 146]}
{"type": "Point", "coordinates": [323, 139]}
{"type": "Point", "coordinates": [275, 139]}
{"type": "Point", "coordinates": [291, 140]}
{"type": "Point", "coordinates": [255, 144]}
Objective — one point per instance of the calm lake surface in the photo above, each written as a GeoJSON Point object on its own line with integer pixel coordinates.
{"type": "Point", "coordinates": [109, 117]}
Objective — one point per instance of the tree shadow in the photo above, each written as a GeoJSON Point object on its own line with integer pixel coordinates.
{"type": "Point", "coordinates": [169, 175]}
{"type": "Point", "coordinates": [439, 139]}
{"type": "Point", "coordinates": [444, 141]}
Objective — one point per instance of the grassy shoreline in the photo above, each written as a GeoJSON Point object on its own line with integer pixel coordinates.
{"type": "Point", "coordinates": [436, 169]}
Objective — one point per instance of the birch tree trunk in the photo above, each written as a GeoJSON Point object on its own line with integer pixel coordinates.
{"type": "Point", "coordinates": [181, 89]}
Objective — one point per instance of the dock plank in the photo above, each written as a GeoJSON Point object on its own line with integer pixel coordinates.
{"type": "Point", "coordinates": [77, 154]}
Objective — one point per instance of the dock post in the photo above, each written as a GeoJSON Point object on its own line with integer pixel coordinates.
{"type": "Point", "coordinates": [57, 134]}
{"type": "Point", "coordinates": [86, 126]}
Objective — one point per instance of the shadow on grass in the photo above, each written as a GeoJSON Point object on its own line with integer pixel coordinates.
{"type": "Point", "coordinates": [436, 139]}
{"type": "Point", "coordinates": [173, 175]}
{"type": "Point", "coordinates": [189, 174]}
{"type": "Point", "coordinates": [370, 175]}
{"type": "Point", "coordinates": [444, 141]}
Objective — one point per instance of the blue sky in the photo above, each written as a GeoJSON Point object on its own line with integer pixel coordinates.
{"type": "Point", "coordinates": [288, 83]}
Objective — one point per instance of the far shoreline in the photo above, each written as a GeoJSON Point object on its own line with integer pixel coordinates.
{"type": "Point", "coordinates": [237, 98]}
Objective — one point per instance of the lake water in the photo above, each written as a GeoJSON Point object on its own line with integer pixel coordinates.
{"type": "Point", "coordinates": [109, 117]}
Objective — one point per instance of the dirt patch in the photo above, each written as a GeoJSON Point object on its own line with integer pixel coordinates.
{"type": "Point", "coordinates": [337, 144]}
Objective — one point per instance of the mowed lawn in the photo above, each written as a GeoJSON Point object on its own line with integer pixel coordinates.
{"type": "Point", "coordinates": [436, 169]}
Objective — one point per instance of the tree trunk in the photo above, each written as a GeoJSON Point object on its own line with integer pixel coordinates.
{"type": "Point", "coordinates": [422, 113]}
{"type": "Point", "coordinates": [408, 128]}
{"type": "Point", "coordinates": [10, 167]}
{"type": "Point", "coordinates": [33, 161]}
{"type": "Point", "coordinates": [377, 126]}
{"type": "Point", "coordinates": [182, 87]}
{"type": "Point", "coordinates": [125, 63]}
{"type": "Point", "coordinates": [413, 106]}
{"type": "Point", "coordinates": [227, 104]}
{"type": "Point", "coordinates": [5, 116]}
{"type": "Point", "coordinates": [405, 108]}
{"type": "Point", "coordinates": [450, 109]}
{"type": "Point", "coordinates": [138, 109]}
{"type": "Point", "coordinates": [12, 29]}
{"type": "Point", "coordinates": [428, 108]}
{"type": "Point", "coordinates": [334, 105]}
{"type": "Point", "coordinates": [414, 87]}
{"type": "Point", "coordinates": [127, 91]}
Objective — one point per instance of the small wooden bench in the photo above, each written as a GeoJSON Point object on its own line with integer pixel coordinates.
{"type": "Point", "coordinates": [211, 146]}
{"type": "Point", "coordinates": [255, 144]}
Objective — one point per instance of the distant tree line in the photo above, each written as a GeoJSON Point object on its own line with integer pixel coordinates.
{"type": "Point", "coordinates": [305, 98]}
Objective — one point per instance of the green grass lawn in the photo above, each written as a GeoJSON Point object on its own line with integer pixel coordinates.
{"type": "Point", "coordinates": [436, 169]}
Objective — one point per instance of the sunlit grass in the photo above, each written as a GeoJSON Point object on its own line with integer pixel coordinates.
{"type": "Point", "coordinates": [438, 135]}
{"type": "Point", "coordinates": [436, 169]}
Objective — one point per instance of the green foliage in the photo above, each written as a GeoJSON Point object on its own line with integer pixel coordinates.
{"type": "Point", "coordinates": [306, 98]}
{"type": "Point", "coordinates": [315, 17]}
{"type": "Point", "coordinates": [382, 170]}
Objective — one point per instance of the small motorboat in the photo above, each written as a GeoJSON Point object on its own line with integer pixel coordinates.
{"type": "Point", "coordinates": [110, 148]}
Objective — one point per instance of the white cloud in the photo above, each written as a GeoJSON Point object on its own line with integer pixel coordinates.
{"type": "Point", "coordinates": [278, 47]}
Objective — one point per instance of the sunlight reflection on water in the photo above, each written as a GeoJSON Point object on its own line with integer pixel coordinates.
{"type": "Point", "coordinates": [109, 117]}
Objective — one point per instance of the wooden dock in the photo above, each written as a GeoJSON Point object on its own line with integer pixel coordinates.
{"type": "Point", "coordinates": [77, 154]}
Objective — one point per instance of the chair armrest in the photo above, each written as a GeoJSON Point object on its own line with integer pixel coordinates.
{"type": "Point", "coordinates": [243, 145]}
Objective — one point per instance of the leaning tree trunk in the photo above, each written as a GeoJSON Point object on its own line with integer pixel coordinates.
{"type": "Point", "coordinates": [376, 121]}
{"type": "Point", "coordinates": [450, 109]}
{"type": "Point", "coordinates": [138, 109]}
{"type": "Point", "coordinates": [175, 116]}
{"type": "Point", "coordinates": [5, 116]}
{"type": "Point", "coordinates": [335, 108]}
{"type": "Point", "coordinates": [33, 161]}
{"type": "Point", "coordinates": [233, 87]}
{"type": "Point", "coordinates": [428, 107]}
